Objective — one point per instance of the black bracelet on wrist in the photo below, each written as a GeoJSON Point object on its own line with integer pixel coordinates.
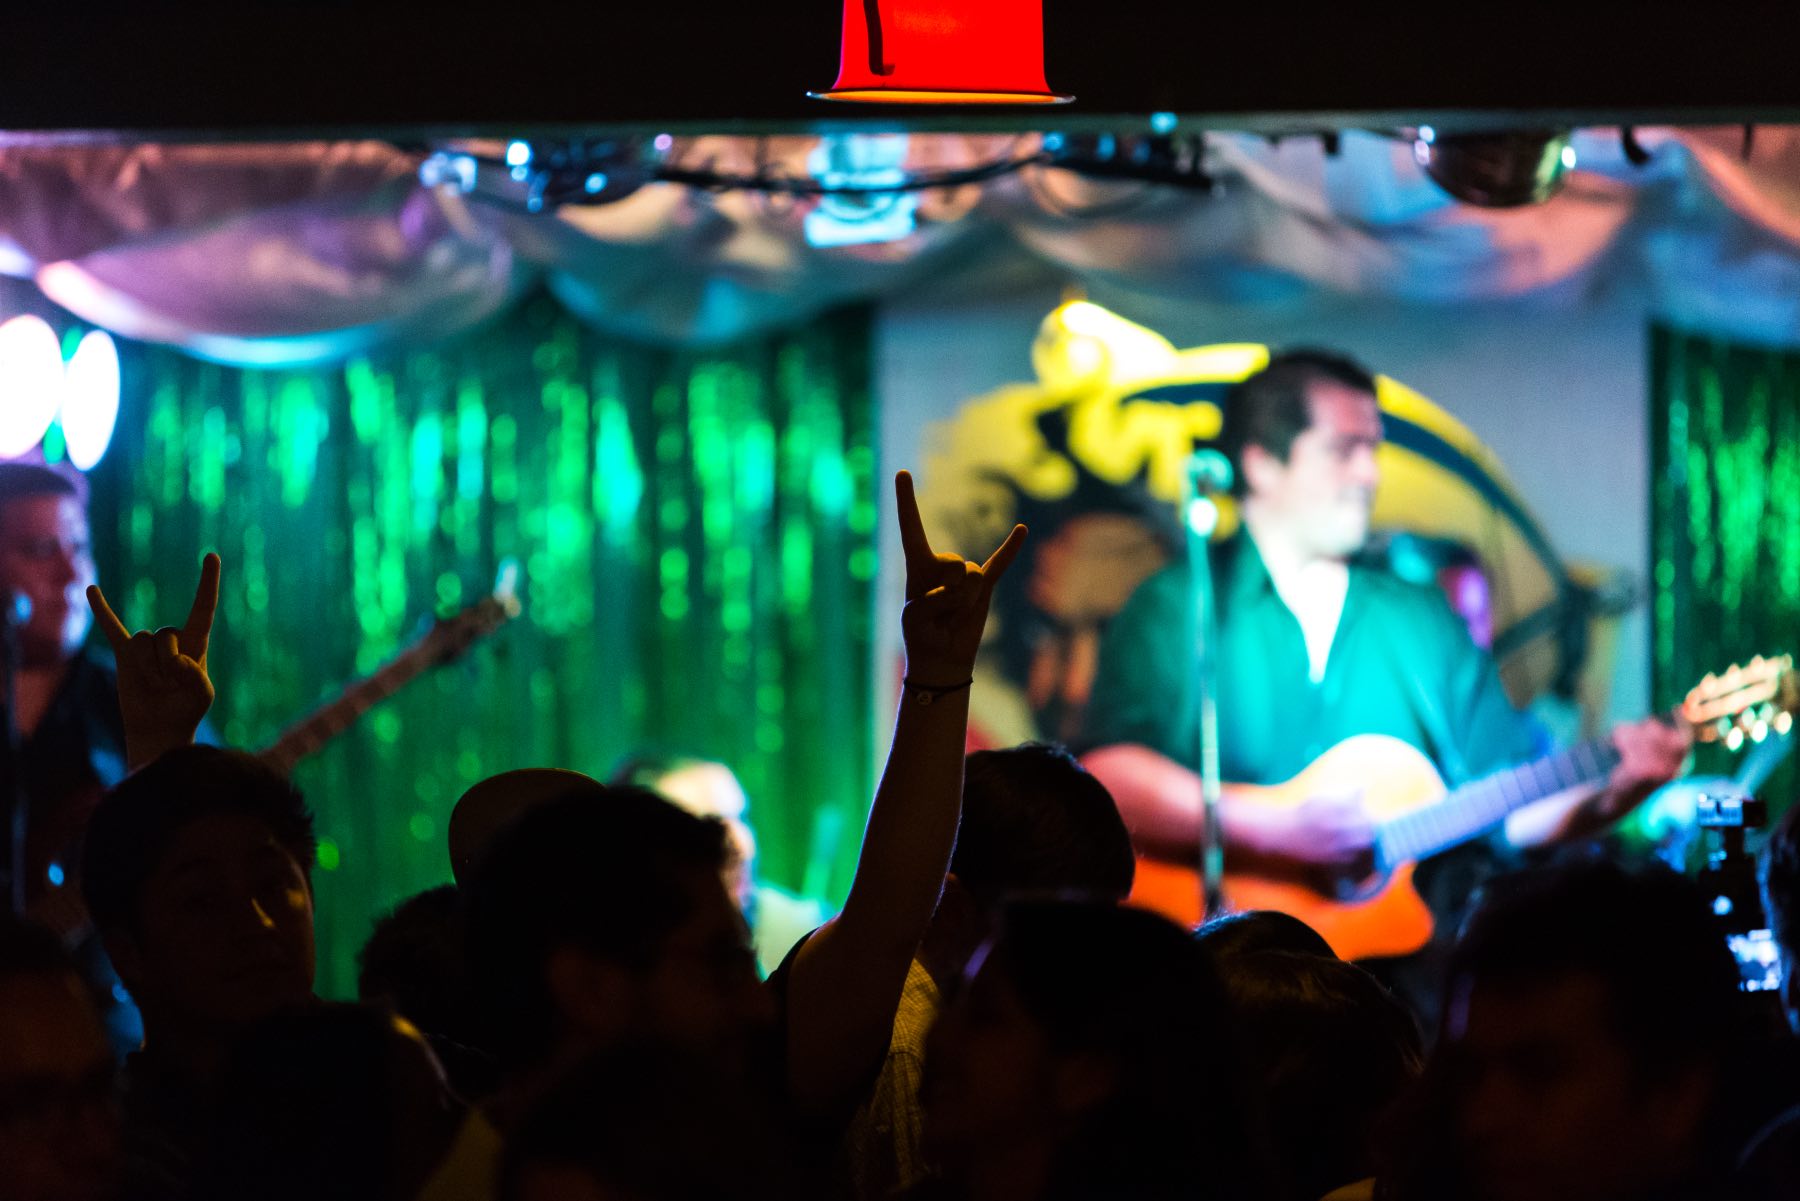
{"type": "Point", "coordinates": [925, 694]}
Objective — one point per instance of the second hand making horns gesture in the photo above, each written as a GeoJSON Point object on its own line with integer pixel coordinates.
{"type": "Point", "coordinates": [164, 689]}
{"type": "Point", "coordinates": [947, 599]}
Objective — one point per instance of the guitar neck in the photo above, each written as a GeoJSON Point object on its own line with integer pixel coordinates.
{"type": "Point", "coordinates": [1467, 812]}
{"type": "Point", "coordinates": [306, 736]}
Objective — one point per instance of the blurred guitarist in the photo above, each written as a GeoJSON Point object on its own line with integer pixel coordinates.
{"type": "Point", "coordinates": [1314, 648]}
{"type": "Point", "coordinates": [68, 738]}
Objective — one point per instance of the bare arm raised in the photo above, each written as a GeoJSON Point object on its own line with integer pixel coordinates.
{"type": "Point", "coordinates": [847, 979]}
{"type": "Point", "coordinates": [164, 689]}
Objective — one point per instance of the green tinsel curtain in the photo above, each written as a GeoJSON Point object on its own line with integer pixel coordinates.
{"type": "Point", "coordinates": [697, 533]}
{"type": "Point", "coordinates": [1725, 426]}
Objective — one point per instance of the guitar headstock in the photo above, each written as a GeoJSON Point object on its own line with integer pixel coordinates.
{"type": "Point", "coordinates": [1746, 703]}
{"type": "Point", "coordinates": [451, 638]}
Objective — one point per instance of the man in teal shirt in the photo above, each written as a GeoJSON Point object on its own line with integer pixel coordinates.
{"type": "Point", "coordinates": [1313, 649]}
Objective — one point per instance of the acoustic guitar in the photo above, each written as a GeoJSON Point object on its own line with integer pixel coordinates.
{"type": "Point", "coordinates": [53, 895]}
{"type": "Point", "coordinates": [1416, 817]}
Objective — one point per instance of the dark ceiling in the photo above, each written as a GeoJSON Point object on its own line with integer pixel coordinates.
{"type": "Point", "coordinates": [273, 68]}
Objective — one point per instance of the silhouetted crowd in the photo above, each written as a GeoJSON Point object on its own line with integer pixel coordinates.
{"type": "Point", "coordinates": [581, 1014]}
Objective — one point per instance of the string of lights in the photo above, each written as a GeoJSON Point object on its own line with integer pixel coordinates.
{"type": "Point", "coordinates": [533, 176]}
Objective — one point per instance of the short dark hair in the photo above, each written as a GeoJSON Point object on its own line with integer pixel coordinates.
{"type": "Point", "coordinates": [1131, 987]}
{"type": "Point", "coordinates": [602, 872]}
{"type": "Point", "coordinates": [1329, 1052]}
{"type": "Point", "coordinates": [19, 480]}
{"type": "Point", "coordinates": [1269, 409]}
{"type": "Point", "coordinates": [1780, 875]}
{"type": "Point", "coordinates": [1256, 931]}
{"type": "Point", "coordinates": [135, 822]}
{"type": "Point", "coordinates": [1035, 820]}
{"type": "Point", "coordinates": [1646, 933]}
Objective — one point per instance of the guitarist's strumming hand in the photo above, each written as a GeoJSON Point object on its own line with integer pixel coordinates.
{"type": "Point", "coordinates": [1332, 830]}
{"type": "Point", "coordinates": [164, 689]}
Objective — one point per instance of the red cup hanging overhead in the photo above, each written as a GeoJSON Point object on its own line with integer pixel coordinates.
{"type": "Point", "coordinates": [943, 52]}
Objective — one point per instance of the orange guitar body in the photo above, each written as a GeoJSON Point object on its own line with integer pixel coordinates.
{"type": "Point", "coordinates": [1384, 917]}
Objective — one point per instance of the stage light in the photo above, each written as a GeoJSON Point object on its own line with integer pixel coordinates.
{"type": "Point", "coordinates": [858, 212]}
{"type": "Point", "coordinates": [456, 170]}
{"type": "Point", "coordinates": [31, 383]}
{"type": "Point", "coordinates": [1496, 170]}
{"type": "Point", "coordinates": [943, 52]}
{"type": "Point", "coordinates": [90, 407]}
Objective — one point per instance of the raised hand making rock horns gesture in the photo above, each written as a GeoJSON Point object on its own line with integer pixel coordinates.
{"type": "Point", "coordinates": [847, 978]}
{"type": "Point", "coordinates": [947, 599]}
{"type": "Point", "coordinates": [164, 689]}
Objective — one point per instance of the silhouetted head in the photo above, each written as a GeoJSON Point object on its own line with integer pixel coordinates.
{"type": "Point", "coordinates": [1094, 1043]}
{"type": "Point", "coordinates": [1590, 1011]}
{"type": "Point", "coordinates": [601, 917]}
{"type": "Point", "coordinates": [197, 870]}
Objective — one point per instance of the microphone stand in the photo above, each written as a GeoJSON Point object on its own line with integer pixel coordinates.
{"type": "Point", "coordinates": [1208, 473]}
{"type": "Point", "coordinates": [16, 613]}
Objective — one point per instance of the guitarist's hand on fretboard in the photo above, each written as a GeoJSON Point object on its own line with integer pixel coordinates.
{"type": "Point", "coordinates": [164, 689]}
{"type": "Point", "coordinates": [1648, 754]}
{"type": "Point", "coordinates": [1651, 753]}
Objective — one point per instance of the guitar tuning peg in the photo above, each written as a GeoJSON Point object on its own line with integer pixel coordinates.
{"type": "Point", "coordinates": [1734, 739]}
{"type": "Point", "coordinates": [1759, 730]}
{"type": "Point", "coordinates": [1784, 722]}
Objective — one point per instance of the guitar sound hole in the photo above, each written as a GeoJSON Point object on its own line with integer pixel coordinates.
{"type": "Point", "coordinates": [1351, 888]}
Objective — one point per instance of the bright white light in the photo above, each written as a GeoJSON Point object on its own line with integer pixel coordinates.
{"type": "Point", "coordinates": [1162, 123]}
{"type": "Point", "coordinates": [1203, 516]}
{"type": "Point", "coordinates": [1568, 158]}
{"type": "Point", "coordinates": [31, 383]}
{"type": "Point", "coordinates": [455, 169]}
{"type": "Point", "coordinates": [518, 154]}
{"type": "Point", "coordinates": [1427, 134]}
{"type": "Point", "coordinates": [862, 162]}
{"type": "Point", "coordinates": [90, 406]}
{"type": "Point", "coordinates": [664, 143]}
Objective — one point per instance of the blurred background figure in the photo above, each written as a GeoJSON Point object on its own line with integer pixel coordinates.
{"type": "Point", "coordinates": [59, 1120]}
{"type": "Point", "coordinates": [646, 1123]}
{"type": "Point", "coordinates": [415, 965]}
{"type": "Point", "coordinates": [707, 788]}
{"type": "Point", "coordinates": [340, 1101]}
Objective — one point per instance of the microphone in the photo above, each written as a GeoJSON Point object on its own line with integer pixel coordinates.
{"type": "Point", "coordinates": [1209, 471]}
{"type": "Point", "coordinates": [1208, 474]}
